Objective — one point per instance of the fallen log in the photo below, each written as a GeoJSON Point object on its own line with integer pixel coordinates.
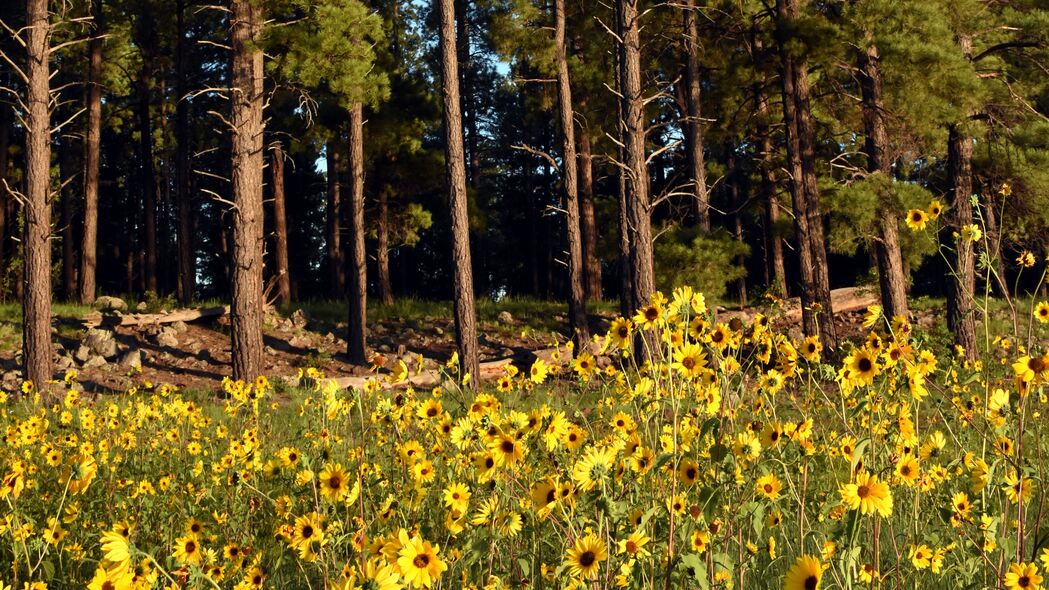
{"type": "Point", "coordinates": [490, 370]}
{"type": "Point", "coordinates": [96, 319]}
{"type": "Point", "coordinates": [845, 300]}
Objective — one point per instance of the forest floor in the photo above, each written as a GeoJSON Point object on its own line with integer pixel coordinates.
{"type": "Point", "coordinates": [195, 355]}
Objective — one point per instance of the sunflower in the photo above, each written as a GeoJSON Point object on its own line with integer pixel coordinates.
{"type": "Point", "coordinates": [867, 494]}
{"type": "Point", "coordinates": [187, 550]}
{"type": "Point", "coordinates": [688, 471]}
{"type": "Point", "coordinates": [334, 482]}
{"type": "Point", "coordinates": [418, 561]}
{"type": "Point", "coordinates": [379, 575]}
{"type": "Point", "coordinates": [115, 548]}
{"type": "Point", "coordinates": [811, 348]}
{"type": "Point", "coordinates": [769, 486]}
{"type": "Point", "coordinates": [539, 371]}
{"type": "Point", "coordinates": [506, 450]}
{"type": "Point", "coordinates": [634, 545]}
{"type": "Point", "coordinates": [108, 580]}
{"type": "Point", "coordinates": [805, 574]}
{"type": "Point", "coordinates": [619, 333]}
{"type": "Point", "coordinates": [544, 495]}
{"type": "Point", "coordinates": [1041, 312]}
{"type": "Point", "coordinates": [457, 497]}
{"type": "Point", "coordinates": [307, 529]}
{"type": "Point", "coordinates": [1022, 576]}
{"type": "Point", "coordinates": [584, 365]}
{"type": "Point", "coordinates": [720, 336]}
{"type": "Point", "coordinates": [908, 470]}
{"type": "Point", "coordinates": [690, 360]}
{"type": "Point", "coordinates": [863, 366]}
{"type": "Point", "coordinates": [935, 209]}
{"type": "Point", "coordinates": [584, 559]}
{"type": "Point", "coordinates": [648, 316]}
{"type": "Point", "coordinates": [916, 219]}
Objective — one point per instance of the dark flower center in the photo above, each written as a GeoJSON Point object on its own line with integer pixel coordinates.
{"type": "Point", "coordinates": [587, 559]}
{"type": "Point", "coordinates": [421, 560]}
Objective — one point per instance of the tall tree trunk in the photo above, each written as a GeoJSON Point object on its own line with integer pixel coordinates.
{"type": "Point", "coordinates": [280, 224]}
{"type": "Point", "coordinates": [382, 253]}
{"type": "Point", "coordinates": [891, 274]}
{"type": "Point", "coordinates": [66, 168]}
{"type": "Point", "coordinates": [961, 286]}
{"type": "Point", "coordinates": [639, 228]}
{"type": "Point", "coordinates": [5, 144]}
{"type": "Point", "coordinates": [336, 261]}
{"type": "Point", "coordinates": [455, 161]}
{"type": "Point", "coordinates": [464, 54]}
{"type": "Point", "coordinates": [588, 220]}
{"type": "Point", "coordinates": [569, 182]}
{"type": "Point", "coordinates": [769, 195]}
{"type": "Point", "coordinates": [148, 178]}
{"type": "Point", "coordinates": [248, 161]}
{"type": "Point", "coordinates": [92, 159]}
{"type": "Point", "coordinates": [817, 314]}
{"type": "Point", "coordinates": [187, 274]}
{"type": "Point", "coordinates": [696, 164]}
{"type": "Point", "coordinates": [357, 331]}
{"type": "Point", "coordinates": [36, 301]}
{"type": "Point", "coordinates": [737, 199]}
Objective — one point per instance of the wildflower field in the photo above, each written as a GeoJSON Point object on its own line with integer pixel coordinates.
{"type": "Point", "coordinates": [736, 457]}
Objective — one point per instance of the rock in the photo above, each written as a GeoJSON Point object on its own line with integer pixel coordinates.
{"type": "Point", "coordinates": [329, 338]}
{"type": "Point", "coordinates": [96, 362]}
{"type": "Point", "coordinates": [300, 341]}
{"type": "Point", "coordinates": [299, 319]}
{"type": "Point", "coordinates": [506, 353]}
{"type": "Point", "coordinates": [101, 342]}
{"type": "Point", "coordinates": [12, 380]}
{"type": "Point", "coordinates": [384, 348]}
{"type": "Point", "coordinates": [64, 362]}
{"type": "Point", "coordinates": [107, 303]}
{"type": "Point", "coordinates": [438, 330]}
{"type": "Point", "coordinates": [505, 317]}
{"type": "Point", "coordinates": [82, 354]}
{"type": "Point", "coordinates": [132, 358]}
{"type": "Point", "coordinates": [141, 307]}
{"type": "Point", "coordinates": [180, 327]}
{"type": "Point", "coordinates": [266, 350]}
{"type": "Point", "coordinates": [168, 337]}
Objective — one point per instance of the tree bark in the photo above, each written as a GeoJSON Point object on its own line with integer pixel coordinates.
{"type": "Point", "coordinates": [961, 286]}
{"type": "Point", "coordinates": [148, 178]}
{"type": "Point", "coordinates": [36, 292]}
{"type": "Point", "coordinates": [639, 228]}
{"type": "Point", "coordinates": [455, 163]}
{"type": "Point", "coordinates": [280, 224]}
{"type": "Point", "coordinates": [697, 167]}
{"type": "Point", "coordinates": [577, 320]}
{"type": "Point", "coordinates": [808, 222]}
{"type": "Point", "coordinates": [66, 173]}
{"type": "Point", "coordinates": [336, 261]}
{"type": "Point", "coordinates": [382, 249]}
{"type": "Point", "coordinates": [588, 218]}
{"type": "Point", "coordinates": [357, 331]}
{"type": "Point", "coordinates": [5, 143]}
{"type": "Point", "coordinates": [769, 195]}
{"type": "Point", "coordinates": [92, 159]}
{"type": "Point", "coordinates": [892, 277]}
{"type": "Point", "coordinates": [737, 200]}
{"type": "Point", "coordinates": [187, 279]}
{"type": "Point", "coordinates": [248, 161]}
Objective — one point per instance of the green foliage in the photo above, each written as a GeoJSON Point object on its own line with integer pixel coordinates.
{"type": "Point", "coordinates": [854, 210]}
{"type": "Point", "coordinates": [331, 44]}
{"type": "Point", "coordinates": [683, 256]}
